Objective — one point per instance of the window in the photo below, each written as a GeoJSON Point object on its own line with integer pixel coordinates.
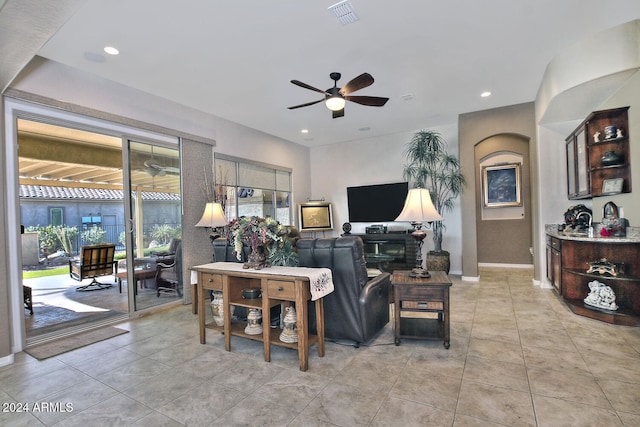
{"type": "Point", "coordinates": [55, 216]}
{"type": "Point", "coordinates": [246, 188]}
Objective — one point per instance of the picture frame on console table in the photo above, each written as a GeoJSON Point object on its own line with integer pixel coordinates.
{"type": "Point", "coordinates": [502, 185]}
{"type": "Point", "coordinates": [315, 216]}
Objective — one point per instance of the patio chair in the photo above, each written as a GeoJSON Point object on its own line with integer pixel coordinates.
{"type": "Point", "coordinates": [94, 261]}
{"type": "Point", "coordinates": [169, 276]}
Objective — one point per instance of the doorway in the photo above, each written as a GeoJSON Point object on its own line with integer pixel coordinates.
{"type": "Point", "coordinates": [79, 177]}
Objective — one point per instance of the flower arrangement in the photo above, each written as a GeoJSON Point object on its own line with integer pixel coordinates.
{"type": "Point", "coordinates": [253, 230]}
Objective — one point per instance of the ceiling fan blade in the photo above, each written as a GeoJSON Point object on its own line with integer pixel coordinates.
{"type": "Point", "coordinates": [360, 82]}
{"type": "Point", "coordinates": [306, 105]}
{"type": "Point", "coordinates": [339, 113]}
{"type": "Point", "coordinates": [371, 101]}
{"type": "Point", "coordinates": [306, 86]}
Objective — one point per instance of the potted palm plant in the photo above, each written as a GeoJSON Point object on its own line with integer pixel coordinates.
{"type": "Point", "coordinates": [430, 166]}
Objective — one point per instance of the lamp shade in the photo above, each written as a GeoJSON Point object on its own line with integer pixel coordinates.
{"type": "Point", "coordinates": [213, 216]}
{"type": "Point", "coordinates": [335, 103]}
{"type": "Point", "coordinates": [418, 207]}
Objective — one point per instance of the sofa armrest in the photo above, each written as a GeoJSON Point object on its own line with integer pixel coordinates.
{"type": "Point", "coordinates": [374, 304]}
{"type": "Point", "coordinates": [377, 287]}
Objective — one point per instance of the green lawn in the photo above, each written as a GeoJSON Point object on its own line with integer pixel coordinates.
{"type": "Point", "coordinates": [43, 273]}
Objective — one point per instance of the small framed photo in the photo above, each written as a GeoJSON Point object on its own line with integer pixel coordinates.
{"type": "Point", "coordinates": [612, 186]}
{"type": "Point", "coordinates": [315, 216]}
{"type": "Point", "coordinates": [502, 185]}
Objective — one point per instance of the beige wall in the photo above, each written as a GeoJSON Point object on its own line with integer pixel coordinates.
{"type": "Point", "coordinates": [629, 94]}
{"type": "Point", "coordinates": [46, 81]}
{"type": "Point", "coordinates": [474, 128]}
{"type": "Point", "coordinates": [504, 233]}
{"type": "Point", "coordinates": [378, 161]}
{"type": "Point", "coordinates": [25, 25]}
{"type": "Point", "coordinates": [576, 83]}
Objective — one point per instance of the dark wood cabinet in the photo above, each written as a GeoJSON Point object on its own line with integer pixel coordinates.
{"type": "Point", "coordinates": [567, 267]}
{"type": "Point", "coordinates": [554, 263]}
{"type": "Point", "coordinates": [578, 182]}
{"type": "Point", "coordinates": [586, 147]}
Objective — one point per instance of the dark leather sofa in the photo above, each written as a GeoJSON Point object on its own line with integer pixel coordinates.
{"type": "Point", "coordinates": [225, 252]}
{"type": "Point", "coordinates": [358, 309]}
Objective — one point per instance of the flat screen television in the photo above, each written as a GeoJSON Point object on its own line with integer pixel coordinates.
{"type": "Point", "coordinates": [376, 203]}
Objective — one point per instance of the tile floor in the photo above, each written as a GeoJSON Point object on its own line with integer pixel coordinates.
{"type": "Point", "coordinates": [518, 357]}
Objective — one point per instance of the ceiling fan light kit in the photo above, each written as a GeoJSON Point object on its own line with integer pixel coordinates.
{"type": "Point", "coordinates": [335, 103]}
{"type": "Point", "coordinates": [335, 97]}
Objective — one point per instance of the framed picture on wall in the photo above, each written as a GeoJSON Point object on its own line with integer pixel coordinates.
{"type": "Point", "coordinates": [502, 185]}
{"type": "Point", "coordinates": [315, 216]}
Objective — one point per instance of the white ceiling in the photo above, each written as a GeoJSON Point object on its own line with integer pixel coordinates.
{"type": "Point", "coordinates": [235, 59]}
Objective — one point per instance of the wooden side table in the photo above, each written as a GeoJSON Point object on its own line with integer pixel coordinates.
{"type": "Point", "coordinates": [421, 299]}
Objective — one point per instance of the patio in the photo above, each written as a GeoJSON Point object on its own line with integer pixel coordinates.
{"type": "Point", "coordinates": [57, 305]}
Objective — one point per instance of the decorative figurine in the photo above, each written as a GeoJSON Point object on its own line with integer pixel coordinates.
{"type": "Point", "coordinates": [619, 133]}
{"type": "Point", "coordinates": [601, 296]}
{"type": "Point", "coordinates": [596, 137]}
{"type": "Point", "coordinates": [602, 266]}
{"type": "Point", "coordinates": [217, 308]}
{"type": "Point", "coordinates": [610, 132]}
{"type": "Point", "coordinates": [254, 322]}
{"type": "Point", "coordinates": [289, 332]}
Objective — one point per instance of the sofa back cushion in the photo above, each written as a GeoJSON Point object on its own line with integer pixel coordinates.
{"type": "Point", "coordinates": [223, 251]}
{"type": "Point", "coordinates": [345, 257]}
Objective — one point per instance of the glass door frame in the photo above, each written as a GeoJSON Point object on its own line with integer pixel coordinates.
{"type": "Point", "coordinates": [14, 109]}
{"type": "Point", "coordinates": [133, 226]}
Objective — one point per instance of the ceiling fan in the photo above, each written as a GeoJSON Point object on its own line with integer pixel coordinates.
{"type": "Point", "coordinates": [335, 97]}
{"type": "Point", "coordinates": [153, 169]}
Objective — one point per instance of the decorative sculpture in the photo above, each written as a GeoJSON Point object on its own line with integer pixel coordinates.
{"type": "Point", "coordinates": [601, 296]}
{"type": "Point", "coordinates": [254, 322]}
{"type": "Point", "coordinates": [289, 332]}
{"type": "Point", "coordinates": [217, 308]}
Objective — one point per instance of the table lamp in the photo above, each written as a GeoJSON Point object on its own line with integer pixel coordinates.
{"type": "Point", "coordinates": [213, 217]}
{"type": "Point", "coordinates": [418, 208]}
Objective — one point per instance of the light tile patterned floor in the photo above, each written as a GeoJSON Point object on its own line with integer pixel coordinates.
{"type": "Point", "coordinates": [518, 357]}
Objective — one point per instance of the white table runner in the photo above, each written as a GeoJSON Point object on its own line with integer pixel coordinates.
{"type": "Point", "coordinates": [320, 279]}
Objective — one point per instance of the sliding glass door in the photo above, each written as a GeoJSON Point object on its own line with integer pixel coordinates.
{"type": "Point", "coordinates": [154, 231]}
{"type": "Point", "coordinates": [83, 187]}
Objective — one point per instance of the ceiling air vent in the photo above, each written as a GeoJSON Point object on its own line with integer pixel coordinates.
{"type": "Point", "coordinates": [344, 12]}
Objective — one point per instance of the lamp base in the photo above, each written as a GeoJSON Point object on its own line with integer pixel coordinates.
{"type": "Point", "coordinates": [419, 273]}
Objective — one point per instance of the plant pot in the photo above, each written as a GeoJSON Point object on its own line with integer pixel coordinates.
{"type": "Point", "coordinates": [438, 261]}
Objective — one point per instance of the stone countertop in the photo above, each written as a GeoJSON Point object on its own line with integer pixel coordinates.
{"type": "Point", "coordinates": [633, 235]}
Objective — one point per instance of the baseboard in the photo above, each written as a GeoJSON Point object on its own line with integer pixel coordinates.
{"type": "Point", "coordinates": [470, 278]}
{"type": "Point", "coordinates": [498, 265]}
{"type": "Point", "coordinates": [544, 284]}
{"type": "Point", "coordinates": [7, 360]}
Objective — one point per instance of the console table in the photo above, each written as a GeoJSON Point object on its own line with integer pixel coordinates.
{"type": "Point", "coordinates": [278, 284]}
{"type": "Point", "coordinates": [420, 299]}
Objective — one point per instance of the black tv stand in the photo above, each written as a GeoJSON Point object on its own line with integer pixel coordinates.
{"type": "Point", "coordinates": [389, 251]}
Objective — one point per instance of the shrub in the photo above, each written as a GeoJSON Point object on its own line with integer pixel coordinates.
{"type": "Point", "coordinates": [94, 236]}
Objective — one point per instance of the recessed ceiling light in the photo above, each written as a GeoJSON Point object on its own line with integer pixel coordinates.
{"type": "Point", "coordinates": [305, 131]}
{"type": "Point", "coordinates": [485, 94]}
{"type": "Point", "coordinates": [111, 50]}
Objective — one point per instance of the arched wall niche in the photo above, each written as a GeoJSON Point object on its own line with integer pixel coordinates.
{"type": "Point", "coordinates": [504, 232]}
